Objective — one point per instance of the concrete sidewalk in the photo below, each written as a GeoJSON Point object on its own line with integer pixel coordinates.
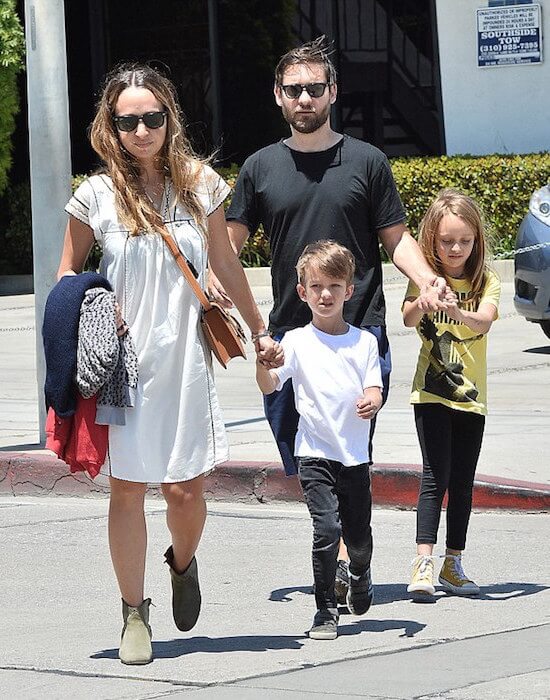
{"type": "Point", "coordinates": [61, 616]}
{"type": "Point", "coordinates": [513, 469]}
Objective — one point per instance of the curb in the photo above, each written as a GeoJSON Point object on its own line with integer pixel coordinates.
{"type": "Point", "coordinates": [394, 485]}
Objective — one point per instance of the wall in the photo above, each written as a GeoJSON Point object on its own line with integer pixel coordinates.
{"type": "Point", "coordinates": [502, 109]}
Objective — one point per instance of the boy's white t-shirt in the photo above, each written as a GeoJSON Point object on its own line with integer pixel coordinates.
{"type": "Point", "coordinates": [329, 373]}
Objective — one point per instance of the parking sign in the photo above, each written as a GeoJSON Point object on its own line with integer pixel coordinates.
{"type": "Point", "coordinates": [509, 35]}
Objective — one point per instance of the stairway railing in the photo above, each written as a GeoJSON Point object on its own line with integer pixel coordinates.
{"type": "Point", "coordinates": [367, 32]}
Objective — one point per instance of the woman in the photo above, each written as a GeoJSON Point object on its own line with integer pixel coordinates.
{"type": "Point", "coordinates": [174, 434]}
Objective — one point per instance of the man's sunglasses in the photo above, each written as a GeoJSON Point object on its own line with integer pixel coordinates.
{"type": "Point", "coordinates": [312, 89]}
{"type": "Point", "coordinates": [129, 122]}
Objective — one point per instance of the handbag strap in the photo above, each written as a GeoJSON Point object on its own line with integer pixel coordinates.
{"type": "Point", "coordinates": [184, 267]}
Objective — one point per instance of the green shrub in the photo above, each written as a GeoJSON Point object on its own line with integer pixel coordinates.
{"type": "Point", "coordinates": [502, 185]}
{"type": "Point", "coordinates": [256, 251]}
{"type": "Point", "coordinates": [12, 46]}
{"type": "Point", "coordinates": [16, 236]}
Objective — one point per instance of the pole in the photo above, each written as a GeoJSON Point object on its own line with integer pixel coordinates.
{"type": "Point", "coordinates": [50, 160]}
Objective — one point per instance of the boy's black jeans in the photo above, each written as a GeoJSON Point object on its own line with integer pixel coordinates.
{"type": "Point", "coordinates": [340, 503]}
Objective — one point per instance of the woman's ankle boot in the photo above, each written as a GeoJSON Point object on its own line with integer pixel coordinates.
{"type": "Point", "coordinates": [135, 643]}
{"type": "Point", "coordinates": [186, 594]}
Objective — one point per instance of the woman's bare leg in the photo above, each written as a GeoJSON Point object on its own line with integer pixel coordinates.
{"type": "Point", "coordinates": [185, 516]}
{"type": "Point", "coordinates": [128, 538]}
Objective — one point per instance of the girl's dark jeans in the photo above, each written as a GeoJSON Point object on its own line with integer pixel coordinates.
{"type": "Point", "coordinates": [339, 502]}
{"type": "Point", "coordinates": [450, 441]}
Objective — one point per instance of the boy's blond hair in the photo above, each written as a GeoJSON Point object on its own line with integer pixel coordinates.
{"type": "Point", "coordinates": [330, 258]}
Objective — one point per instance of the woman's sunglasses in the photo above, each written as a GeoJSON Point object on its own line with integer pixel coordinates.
{"type": "Point", "coordinates": [312, 89]}
{"type": "Point", "coordinates": [129, 122]}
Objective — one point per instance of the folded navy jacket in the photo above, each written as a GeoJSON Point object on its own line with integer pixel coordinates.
{"type": "Point", "coordinates": [60, 337]}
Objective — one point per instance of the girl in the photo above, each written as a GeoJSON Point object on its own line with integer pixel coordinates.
{"type": "Point", "coordinates": [174, 434]}
{"type": "Point", "coordinates": [449, 387]}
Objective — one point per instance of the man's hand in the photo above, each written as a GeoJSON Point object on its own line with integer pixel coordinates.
{"type": "Point", "coordinates": [432, 295]}
{"type": "Point", "coordinates": [268, 352]}
{"type": "Point", "coordinates": [216, 292]}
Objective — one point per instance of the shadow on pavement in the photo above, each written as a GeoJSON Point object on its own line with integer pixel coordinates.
{"type": "Point", "coordinates": [284, 595]}
{"type": "Point", "coordinates": [544, 350]}
{"type": "Point", "coordinates": [409, 627]}
{"type": "Point", "coordinates": [505, 591]}
{"type": "Point", "coordinates": [385, 593]}
{"type": "Point", "coordinates": [173, 648]}
{"type": "Point", "coordinates": [30, 447]}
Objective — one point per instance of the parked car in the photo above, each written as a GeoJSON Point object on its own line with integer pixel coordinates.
{"type": "Point", "coordinates": [532, 262]}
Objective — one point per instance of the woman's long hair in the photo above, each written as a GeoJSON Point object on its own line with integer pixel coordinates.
{"type": "Point", "coordinates": [451, 201]}
{"type": "Point", "coordinates": [176, 158]}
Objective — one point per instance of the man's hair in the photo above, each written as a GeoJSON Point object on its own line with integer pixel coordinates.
{"type": "Point", "coordinates": [316, 51]}
{"type": "Point", "coordinates": [330, 258]}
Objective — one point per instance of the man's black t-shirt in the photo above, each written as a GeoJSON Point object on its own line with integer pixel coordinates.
{"type": "Point", "coordinates": [345, 193]}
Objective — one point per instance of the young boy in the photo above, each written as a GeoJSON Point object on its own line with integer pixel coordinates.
{"type": "Point", "coordinates": [337, 384]}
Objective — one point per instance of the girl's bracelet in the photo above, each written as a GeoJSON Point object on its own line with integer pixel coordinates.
{"type": "Point", "coordinates": [256, 336]}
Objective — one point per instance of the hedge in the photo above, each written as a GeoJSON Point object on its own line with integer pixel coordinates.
{"type": "Point", "coordinates": [501, 184]}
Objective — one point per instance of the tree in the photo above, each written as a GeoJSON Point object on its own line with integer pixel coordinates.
{"type": "Point", "coordinates": [12, 49]}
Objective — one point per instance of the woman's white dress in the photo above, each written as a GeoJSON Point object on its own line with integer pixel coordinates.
{"type": "Point", "coordinates": [175, 431]}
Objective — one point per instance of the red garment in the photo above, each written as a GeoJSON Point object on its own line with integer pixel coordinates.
{"type": "Point", "coordinates": [78, 440]}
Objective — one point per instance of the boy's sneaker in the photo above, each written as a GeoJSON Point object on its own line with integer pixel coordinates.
{"type": "Point", "coordinates": [325, 625]}
{"type": "Point", "coordinates": [421, 585]}
{"type": "Point", "coordinates": [453, 579]}
{"type": "Point", "coordinates": [341, 582]}
{"type": "Point", "coordinates": [360, 593]}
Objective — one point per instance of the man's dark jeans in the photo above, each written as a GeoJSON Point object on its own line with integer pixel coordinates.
{"type": "Point", "coordinates": [340, 503]}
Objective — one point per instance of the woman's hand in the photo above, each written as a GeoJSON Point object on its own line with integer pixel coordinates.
{"type": "Point", "coordinates": [268, 352]}
{"type": "Point", "coordinates": [120, 323]}
{"type": "Point", "coordinates": [216, 291]}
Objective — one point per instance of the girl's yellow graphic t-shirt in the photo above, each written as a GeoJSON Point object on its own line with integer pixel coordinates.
{"type": "Point", "coordinates": [452, 364]}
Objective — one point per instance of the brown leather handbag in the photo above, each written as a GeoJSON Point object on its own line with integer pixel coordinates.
{"type": "Point", "coordinates": [222, 332]}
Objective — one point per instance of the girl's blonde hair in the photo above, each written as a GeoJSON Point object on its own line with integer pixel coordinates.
{"type": "Point", "coordinates": [176, 158]}
{"type": "Point", "coordinates": [451, 201]}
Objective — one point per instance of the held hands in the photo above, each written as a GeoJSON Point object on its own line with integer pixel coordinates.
{"type": "Point", "coordinates": [451, 305]}
{"type": "Point", "coordinates": [448, 303]}
{"type": "Point", "coordinates": [432, 295]}
{"type": "Point", "coordinates": [369, 404]}
{"type": "Point", "coordinates": [269, 353]}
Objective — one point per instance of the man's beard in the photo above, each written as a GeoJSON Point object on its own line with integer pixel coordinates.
{"type": "Point", "coordinates": [306, 123]}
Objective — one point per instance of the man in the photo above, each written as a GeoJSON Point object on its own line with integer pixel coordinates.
{"type": "Point", "coordinates": [320, 184]}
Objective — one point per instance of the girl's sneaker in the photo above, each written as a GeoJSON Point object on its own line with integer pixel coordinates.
{"type": "Point", "coordinates": [453, 579]}
{"type": "Point", "coordinates": [421, 585]}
